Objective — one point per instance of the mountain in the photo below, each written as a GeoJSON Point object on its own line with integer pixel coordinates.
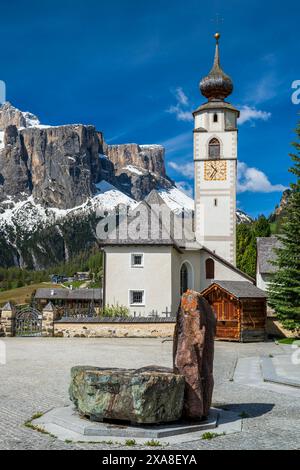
{"type": "Point", "coordinates": [279, 211]}
{"type": "Point", "coordinates": [243, 218]}
{"type": "Point", "coordinates": [60, 166]}
{"type": "Point", "coordinates": [53, 179]}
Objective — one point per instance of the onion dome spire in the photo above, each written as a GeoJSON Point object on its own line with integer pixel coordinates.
{"type": "Point", "coordinates": [216, 85]}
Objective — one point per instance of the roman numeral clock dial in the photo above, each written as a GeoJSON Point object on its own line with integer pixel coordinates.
{"type": "Point", "coordinates": [215, 170]}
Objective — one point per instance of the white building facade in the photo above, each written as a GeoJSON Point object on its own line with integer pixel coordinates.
{"type": "Point", "coordinates": [154, 286]}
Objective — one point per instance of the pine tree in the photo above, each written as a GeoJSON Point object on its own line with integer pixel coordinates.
{"type": "Point", "coordinates": [246, 243]}
{"type": "Point", "coordinates": [262, 227]}
{"type": "Point", "coordinates": [284, 290]}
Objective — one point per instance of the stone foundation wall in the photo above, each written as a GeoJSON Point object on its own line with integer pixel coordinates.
{"type": "Point", "coordinates": [114, 330]}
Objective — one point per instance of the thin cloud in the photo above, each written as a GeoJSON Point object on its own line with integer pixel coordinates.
{"type": "Point", "coordinates": [181, 96]}
{"type": "Point", "coordinates": [249, 113]}
{"type": "Point", "coordinates": [254, 180]}
{"type": "Point", "coordinates": [179, 142]}
{"type": "Point", "coordinates": [180, 114]}
{"type": "Point", "coordinates": [180, 109]}
{"type": "Point", "coordinates": [265, 89]}
{"type": "Point", "coordinates": [185, 169]}
{"type": "Point", "coordinates": [185, 187]}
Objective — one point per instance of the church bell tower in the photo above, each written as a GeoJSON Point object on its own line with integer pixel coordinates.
{"type": "Point", "coordinates": [215, 157]}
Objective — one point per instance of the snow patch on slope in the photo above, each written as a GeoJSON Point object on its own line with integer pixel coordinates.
{"type": "Point", "coordinates": [1, 140]}
{"type": "Point", "coordinates": [177, 200]}
{"type": "Point", "coordinates": [242, 217]}
{"type": "Point", "coordinates": [31, 119]}
{"type": "Point", "coordinates": [30, 216]}
{"type": "Point", "coordinates": [133, 169]}
{"type": "Point", "coordinates": [109, 197]}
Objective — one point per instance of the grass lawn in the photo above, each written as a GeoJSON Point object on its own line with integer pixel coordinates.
{"type": "Point", "coordinates": [75, 284]}
{"type": "Point", "coordinates": [289, 341]}
{"type": "Point", "coordinates": [21, 295]}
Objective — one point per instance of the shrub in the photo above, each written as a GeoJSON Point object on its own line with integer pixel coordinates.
{"type": "Point", "coordinates": [114, 311]}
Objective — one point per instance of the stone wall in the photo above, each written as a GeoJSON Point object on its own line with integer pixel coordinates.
{"type": "Point", "coordinates": [7, 320]}
{"type": "Point", "coordinates": [114, 330]}
{"type": "Point", "coordinates": [275, 328]}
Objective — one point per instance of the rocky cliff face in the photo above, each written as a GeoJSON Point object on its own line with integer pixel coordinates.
{"type": "Point", "coordinates": [53, 179]}
{"type": "Point", "coordinates": [280, 209]}
{"type": "Point", "coordinates": [139, 168]}
{"type": "Point", "coordinates": [61, 166]}
{"type": "Point", "coordinates": [11, 116]}
{"type": "Point", "coordinates": [147, 157]}
{"type": "Point", "coordinates": [57, 165]}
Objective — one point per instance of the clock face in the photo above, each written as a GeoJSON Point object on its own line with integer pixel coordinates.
{"type": "Point", "coordinates": [215, 170]}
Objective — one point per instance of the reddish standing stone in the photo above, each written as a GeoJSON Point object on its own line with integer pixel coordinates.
{"type": "Point", "coordinates": [194, 353]}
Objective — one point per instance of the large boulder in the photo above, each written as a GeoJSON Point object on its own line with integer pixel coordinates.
{"type": "Point", "coordinates": [150, 395]}
{"type": "Point", "coordinates": [194, 353]}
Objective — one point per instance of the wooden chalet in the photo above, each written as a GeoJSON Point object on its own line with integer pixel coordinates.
{"type": "Point", "coordinates": [241, 310]}
{"type": "Point", "coordinates": [72, 300]}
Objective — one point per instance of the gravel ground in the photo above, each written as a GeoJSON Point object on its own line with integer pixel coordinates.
{"type": "Point", "coordinates": [36, 376]}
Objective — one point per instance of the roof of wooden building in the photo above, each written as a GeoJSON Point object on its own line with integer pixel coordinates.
{"type": "Point", "coordinates": [239, 289]}
{"type": "Point", "coordinates": [266, 254]}
{"type": "Point", "coordinates": [69, 294]}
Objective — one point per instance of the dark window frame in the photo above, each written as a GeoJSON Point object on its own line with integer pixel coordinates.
{"type": "Point", "coordinates": [184, 279]}
{"type": "Point", "coordinates": [210, 268]}
{"type": "Point", "coordinates": [214, 148]}
{"type": "Point", "coordinates": [137, 297]}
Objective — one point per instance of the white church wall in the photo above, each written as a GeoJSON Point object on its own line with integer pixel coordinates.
{"type": "Point", "coordinates": [263, 280]}
{"type": "Point", "coordinates": [154, 278]}
{"type": "Point", "coordinates": [222, 272]}
{"type": "Point", "coordinates": [193, 259]}
{"type": "Point", "coordinates": [216, 200]}
{"type": "Point", "coordinates": [215, 211]}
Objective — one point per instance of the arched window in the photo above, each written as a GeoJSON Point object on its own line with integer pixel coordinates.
{"type": "Point", "coordinates": [214, 148]}
{"type": "Point", "coordinates": [215, 117]}
{"type": "Point", "coordinates": [210, 268]}
{"type": "Point", "coordinates": [184, 279]}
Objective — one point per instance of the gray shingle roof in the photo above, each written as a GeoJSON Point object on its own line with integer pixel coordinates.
{"type": "Point", "coordinates": [266, 254]}
{"type": "Point", "coordinates": [241, 289]}
{"type": "Point", "coordinates": [143, 217]}
{"type": "Point", "coordinates": [220, 104]}
{"type": "Point", "coordinates": [68, 294]}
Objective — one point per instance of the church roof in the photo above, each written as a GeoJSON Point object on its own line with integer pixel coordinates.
{"type": "Point", "coordinates": [211, 105]}
{"type": "Point", "coordinates": [240, 289]}
{"type": "Point", "coordinates": [146, 216]}
{"type": "Point", "coordinates": [216, 85]}
{"type": "Point", "coordinates": [266, 254]}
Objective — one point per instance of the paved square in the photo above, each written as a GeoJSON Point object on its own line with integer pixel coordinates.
{"type": "Point", "coordinates": [36, 377]}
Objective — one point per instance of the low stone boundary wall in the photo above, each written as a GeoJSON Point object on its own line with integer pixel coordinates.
{"type": "Point", "coordinates": [275, 328]}
{"type": "Point", "coordinates": [114, 328]}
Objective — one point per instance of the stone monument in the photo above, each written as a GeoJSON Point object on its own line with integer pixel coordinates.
{"type": "Point", "coordinates": [150, 395]}
{"type": "Point", "coordinates": [156, 395]}
{"type": "Point", "coordinates": [194, 353]}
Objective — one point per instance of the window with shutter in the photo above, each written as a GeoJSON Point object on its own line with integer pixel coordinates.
{"type": "Point", "coordinates": [214, 148]}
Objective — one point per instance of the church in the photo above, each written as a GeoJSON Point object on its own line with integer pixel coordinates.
{"type": "Point", "coordinates": [148, 274]}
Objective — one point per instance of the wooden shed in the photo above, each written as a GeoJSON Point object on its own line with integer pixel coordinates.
{"type": "Point", "coordinates": [241, 310]}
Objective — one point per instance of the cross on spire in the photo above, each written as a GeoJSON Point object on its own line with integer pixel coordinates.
{"type": "Point", "coordinates": [218, 19]}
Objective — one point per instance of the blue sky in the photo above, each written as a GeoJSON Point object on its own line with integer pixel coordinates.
{"type": "Point", "coordinates": [132, 69]}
